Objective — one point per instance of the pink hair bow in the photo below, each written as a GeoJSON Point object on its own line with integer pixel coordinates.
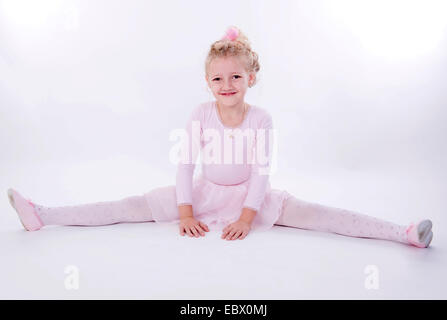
{"type": "Point", "coordinates": [231, 34]}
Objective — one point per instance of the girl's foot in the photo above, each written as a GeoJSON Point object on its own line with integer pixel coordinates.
{"type": "Point", "coordinates": [420, 234]}
{"type": "Point", "coordinates": [25, 209]}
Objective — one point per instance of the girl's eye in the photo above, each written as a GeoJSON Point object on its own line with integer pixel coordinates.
{"type": "Point", "coordinates": [219, 78]}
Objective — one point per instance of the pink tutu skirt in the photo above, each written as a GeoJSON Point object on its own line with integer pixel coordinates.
{"type": "Point", "coordinates": [216, 205]}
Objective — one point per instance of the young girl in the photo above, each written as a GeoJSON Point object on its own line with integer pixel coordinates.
{"type": "Point", "coordinates": [232, 197]}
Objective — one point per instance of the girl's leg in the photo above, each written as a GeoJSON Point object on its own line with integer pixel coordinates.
{"type": "Point", "coordinates": [129, 209]}
{"type": "Point", "coordinates": [312, 216]}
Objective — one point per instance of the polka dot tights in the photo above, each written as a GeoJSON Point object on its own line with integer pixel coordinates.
{"type": "Point", "coordinates": [312, 216]}
{"type": "Point", "coordinates": [130, 209]}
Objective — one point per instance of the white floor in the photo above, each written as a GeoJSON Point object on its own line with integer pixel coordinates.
{"type": "Point", "coordinates": [152, 261]}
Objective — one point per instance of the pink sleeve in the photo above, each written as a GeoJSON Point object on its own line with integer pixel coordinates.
{"type": "Point", "coordinates": [190, 152]}
{"type": "Point", "coordinates": [259, 177]}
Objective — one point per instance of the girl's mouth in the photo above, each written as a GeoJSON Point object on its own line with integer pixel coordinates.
{"type": "Point", "coordinates": [228, 94]}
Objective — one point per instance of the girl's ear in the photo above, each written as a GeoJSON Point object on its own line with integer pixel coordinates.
{"type": "Point", "coordinates": [251, 79]}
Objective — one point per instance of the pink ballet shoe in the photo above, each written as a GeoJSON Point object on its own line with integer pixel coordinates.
{"type": "Point", "coordinates": [420, 234]}
{"type": "Point", "coordinates": [26, 211]}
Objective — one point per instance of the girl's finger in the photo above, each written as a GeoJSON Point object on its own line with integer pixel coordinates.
{"type": "Point", "coordinates": [204, 226]}
{"type": "Point", "coordinates": [188, 231]}
{"type": "Point", "coordinates": [236, 235]}
{"type": "Point", "coordinates": [193, 229]}
{"type": "Point", "coordinates": [231, 234]}
{"type": "Point", "coordinates": [200, 230]}
{"type": "Point", "coordinates": [182, 231]}
{"type": "Point", "coordinates": [225, 232]}
{"type": "Point", "coordinates": [243, 235]}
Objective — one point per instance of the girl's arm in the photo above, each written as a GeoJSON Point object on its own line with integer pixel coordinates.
{"type": "Point", "coordinates": [185, 211]}
{"type": "Point", "coordinates": [247, 215]}
{"type": "Point", "coordinates": [185, 171]}
{"type": "Point", "coordinates": [259, 178]}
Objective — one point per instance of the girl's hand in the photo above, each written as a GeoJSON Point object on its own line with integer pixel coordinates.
{"type": "Point", "coordinates": [236, 230]}
{"type": "Point", "coordinates": [192, 227]}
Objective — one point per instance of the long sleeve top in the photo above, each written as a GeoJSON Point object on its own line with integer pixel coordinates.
{"type": "Point", "coordinates": [227, 160]}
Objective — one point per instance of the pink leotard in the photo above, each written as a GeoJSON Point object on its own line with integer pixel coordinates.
{"type": "Point", "coordinates": [206, 116]}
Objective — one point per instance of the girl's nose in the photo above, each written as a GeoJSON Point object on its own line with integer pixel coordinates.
{"type": "Point", "coordinates": [227, 86]}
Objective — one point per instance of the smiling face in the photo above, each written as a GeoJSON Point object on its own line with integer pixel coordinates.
{"type": "Point", "coordinates": [228, 75]}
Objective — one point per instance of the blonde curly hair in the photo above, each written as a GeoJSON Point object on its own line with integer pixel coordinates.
{"type": "Point", "coordinates": [234, 44]}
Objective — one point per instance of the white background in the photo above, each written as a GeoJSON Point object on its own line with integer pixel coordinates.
{"type": "Point", "coordinates": [90, 91]}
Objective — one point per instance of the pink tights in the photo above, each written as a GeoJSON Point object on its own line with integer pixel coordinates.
{"type": "Point", "coordinates": [296, 213]}
{"type": "Point", "coordinates": [130, 209]}
{"type": "Point", "coordinates": [312, 216]}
